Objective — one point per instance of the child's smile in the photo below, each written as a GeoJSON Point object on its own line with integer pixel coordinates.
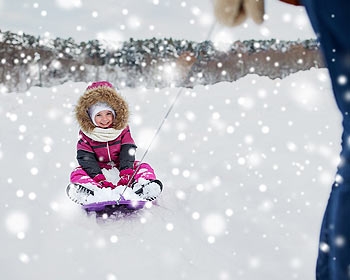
{"type": "Point", "coordinates": [104, 119]}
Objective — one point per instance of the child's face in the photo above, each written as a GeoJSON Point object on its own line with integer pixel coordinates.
{"type": "Point", "coordinates": [104, 119]}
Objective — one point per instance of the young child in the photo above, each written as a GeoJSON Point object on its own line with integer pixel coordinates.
{"type": "Point", "coordinates": [106, 149]}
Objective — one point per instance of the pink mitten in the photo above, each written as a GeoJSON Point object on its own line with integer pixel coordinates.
{"type": "Point", "coordinates": [125, 176]}
{"type": "Point", "coordinates": [101, 179]}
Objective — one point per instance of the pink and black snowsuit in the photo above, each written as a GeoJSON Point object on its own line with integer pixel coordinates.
{"type": "Point", "coordinates": [98, 148]}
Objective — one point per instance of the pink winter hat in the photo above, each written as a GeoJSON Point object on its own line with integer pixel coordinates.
{"type": "Point", "coordinates": [99, 84]}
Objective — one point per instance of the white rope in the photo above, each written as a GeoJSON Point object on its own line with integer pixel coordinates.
{"type": "Point", "coordinates": [164, 118]}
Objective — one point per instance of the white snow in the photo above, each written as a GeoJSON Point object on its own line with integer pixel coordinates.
{"type": "Point", "coordinates": [246, 166]}
{"type": "Point", "coordinates": [108, 194]}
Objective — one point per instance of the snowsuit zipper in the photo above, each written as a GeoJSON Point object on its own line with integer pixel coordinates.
{"type": "Point", "coordinates": [109, 153]}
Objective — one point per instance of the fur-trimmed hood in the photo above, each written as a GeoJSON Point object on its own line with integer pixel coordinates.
{"type": "Point", "coordinates": [101, 92]}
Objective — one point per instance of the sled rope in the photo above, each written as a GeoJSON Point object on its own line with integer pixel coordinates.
{"type": "Point", "coordinates": [171, 107]}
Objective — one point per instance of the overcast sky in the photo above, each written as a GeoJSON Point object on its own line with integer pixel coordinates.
{"type": "Point", "coordinates": [120, 20]}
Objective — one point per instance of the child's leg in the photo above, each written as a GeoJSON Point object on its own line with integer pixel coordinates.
{"type": "Point", "coordinates": [144, 171]}
{"type": "Point", "coordinates": [80, 177]}
{"type": "Point", "coordinates": [145, 183]}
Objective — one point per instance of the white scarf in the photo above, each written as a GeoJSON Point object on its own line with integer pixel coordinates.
{"type": "Point", "coordinates": [103, 134]}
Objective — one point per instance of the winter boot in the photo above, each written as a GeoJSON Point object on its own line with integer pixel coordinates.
{"type": "Point", "coordinates": [79, 193]}
{"type": "Point", "coordinates": [148, 190]}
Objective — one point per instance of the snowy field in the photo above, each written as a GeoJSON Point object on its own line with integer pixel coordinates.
{"type": "Point", "coordinates": [247, 169]}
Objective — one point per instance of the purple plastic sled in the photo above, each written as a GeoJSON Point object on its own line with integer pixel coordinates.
{"type": "Point", "coordinates": [128, 204]}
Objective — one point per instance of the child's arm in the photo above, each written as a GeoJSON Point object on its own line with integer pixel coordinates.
{"type": "Point", "coordinates": [127, 150]}
{"type": "Point", "coordinates": [86, 157]}
{"type": "Point", "coordinates": [127, 156]}
{"type": "Point", "coordinates": [89, 163]}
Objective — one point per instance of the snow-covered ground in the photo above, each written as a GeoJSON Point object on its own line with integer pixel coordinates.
{"type": "Point", "coordinates": [247, 169]}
